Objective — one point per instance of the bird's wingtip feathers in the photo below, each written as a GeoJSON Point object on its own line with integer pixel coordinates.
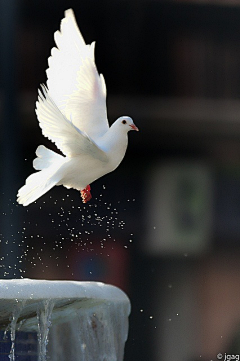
{"type": "Point", "coordinates": [69, 18]}
{"type": "Point", "coordinates": [69, 13]}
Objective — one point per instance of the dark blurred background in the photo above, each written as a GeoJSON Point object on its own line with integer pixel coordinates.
{"type": "Point", "coordinates": [165, 226]}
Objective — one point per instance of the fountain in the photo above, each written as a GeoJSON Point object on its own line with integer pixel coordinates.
{"type": "Point", "coordinates": [73, 321]}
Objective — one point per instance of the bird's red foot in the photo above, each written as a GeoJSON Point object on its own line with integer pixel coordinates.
{"type": "Point", "coordinates": [86, 194]}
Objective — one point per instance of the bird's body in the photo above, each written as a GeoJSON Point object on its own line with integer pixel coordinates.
{"type": "Point", "coordinates": [72, 113]}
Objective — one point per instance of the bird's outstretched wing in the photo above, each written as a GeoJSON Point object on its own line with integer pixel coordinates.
{"type": "Point", "coordinates": [73, 80]}
{"type": "Point", "coordinates": [67, 137]}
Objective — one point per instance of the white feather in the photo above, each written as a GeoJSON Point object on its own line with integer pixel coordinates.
{"type": "Point", "coordinates": [73, 80]}
{"type": "Point", "coordinates": [45, 158]}
{"type": "Point", "coordinates": [36, 185]}
{"type": "Point", "coordinates": [67, 137]}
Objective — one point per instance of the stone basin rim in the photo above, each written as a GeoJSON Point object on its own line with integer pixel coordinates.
{"type": "Point", "coordinates": [36, 289]}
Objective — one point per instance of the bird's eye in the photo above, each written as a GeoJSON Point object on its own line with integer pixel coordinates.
{"type": "Point", "coordinates": [124, 121]}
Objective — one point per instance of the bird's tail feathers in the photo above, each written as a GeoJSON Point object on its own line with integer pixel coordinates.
{"type": "Point", "coordinates": [45, 158]}
{"type": "Point", "coordinates": [36, 185]}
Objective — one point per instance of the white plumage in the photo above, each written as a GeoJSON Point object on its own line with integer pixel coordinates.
{"type": "Point", "coordinates": [72, 113]}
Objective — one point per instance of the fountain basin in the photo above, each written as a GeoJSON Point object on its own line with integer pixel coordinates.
{"type": "Point", "coordinates": [82, 320]}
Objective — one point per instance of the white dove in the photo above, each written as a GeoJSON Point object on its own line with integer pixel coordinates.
{"type": "Point", "coordinates": [72, 113]}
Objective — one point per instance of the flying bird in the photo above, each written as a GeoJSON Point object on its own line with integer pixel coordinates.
{"type": "Point", "coordinates": [71, 110]}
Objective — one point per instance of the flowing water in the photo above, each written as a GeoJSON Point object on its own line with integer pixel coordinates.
{"type": "Point", "coordinates": [15, 315]}
{"type": "Point", "coordinates": [44, 313]}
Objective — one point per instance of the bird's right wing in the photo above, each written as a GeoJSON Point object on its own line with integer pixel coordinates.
{"type": "Point", "coordinates": [67, 137]}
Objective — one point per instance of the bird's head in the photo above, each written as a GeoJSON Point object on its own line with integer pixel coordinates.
{"type": "Point", "coordinates": [126, 123]}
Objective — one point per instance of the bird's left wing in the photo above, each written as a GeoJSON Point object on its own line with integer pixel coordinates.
{"type": "Point", "coordinates": [67, 137]}
{"type": "Point", "coordinates": [73, 80]}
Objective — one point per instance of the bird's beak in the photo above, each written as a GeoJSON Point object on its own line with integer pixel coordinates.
{"type": "Point", "coordinates": [133, 126]}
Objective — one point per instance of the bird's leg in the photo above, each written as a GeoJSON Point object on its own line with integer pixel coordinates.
{"type": "Point", "coordinates": [86, 194]}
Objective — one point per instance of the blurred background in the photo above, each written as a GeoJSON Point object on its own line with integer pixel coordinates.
{"type": "Point", "coordinates": [165, 226]}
